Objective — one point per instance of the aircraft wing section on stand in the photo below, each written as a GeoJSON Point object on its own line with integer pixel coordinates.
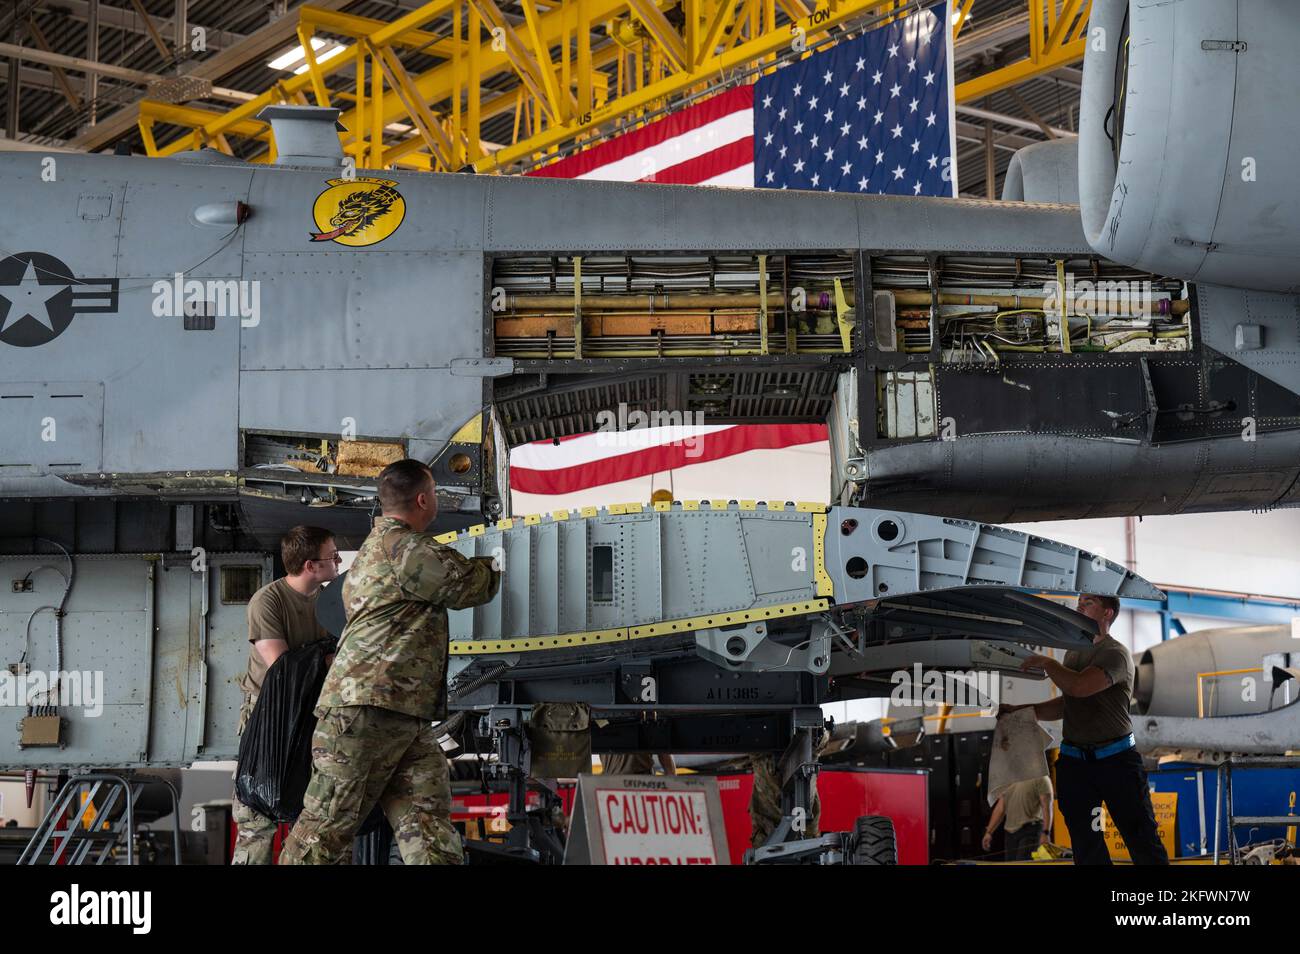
{"type": "Point", "coordinates": [761, 588]}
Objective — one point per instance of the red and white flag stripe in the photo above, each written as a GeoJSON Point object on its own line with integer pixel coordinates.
{"type": "Point", "coordinates": [606, 457]}
{"type": "Point", "coordinates": [710, 143]}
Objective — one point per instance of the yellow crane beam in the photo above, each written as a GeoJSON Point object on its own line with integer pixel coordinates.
{"type": "Point", "coordinates": [566, 90]}
{"type": "Point", "coordinates": [753, 50]}
{"type": "Point", "coordinates": [358, 27]}
{"type": "Point", "coordinates": [287, 90]}
{"type": "Point", "coordinates": [1055, 40]}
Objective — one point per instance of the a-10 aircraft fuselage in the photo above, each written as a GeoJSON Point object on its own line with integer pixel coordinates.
{"type": "Point", "coordinates": [208, 330]}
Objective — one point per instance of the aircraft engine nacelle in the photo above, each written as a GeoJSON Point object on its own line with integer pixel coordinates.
{"type": "Point", "coordinates": [1188, 138]}
{"type": "Point", "coordinates": [1224, 665]}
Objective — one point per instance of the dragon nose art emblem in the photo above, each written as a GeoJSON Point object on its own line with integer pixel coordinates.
{"type": "Point", "coordinates": [358, 212]}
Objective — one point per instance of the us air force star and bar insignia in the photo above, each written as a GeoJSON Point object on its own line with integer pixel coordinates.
{"type": "Point", "coordinates": [39, 297]}
{"type": "Point", "coordinates": [358, 212]}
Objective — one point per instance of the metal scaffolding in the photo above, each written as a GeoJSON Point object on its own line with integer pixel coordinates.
{"type": "Point", "coordinates": [576, 71]}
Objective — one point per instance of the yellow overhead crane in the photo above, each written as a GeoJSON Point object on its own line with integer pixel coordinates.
{"type": "Point", "coordinates": [663, 53]}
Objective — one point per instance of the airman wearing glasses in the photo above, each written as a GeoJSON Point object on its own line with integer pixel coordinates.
{"type": "Point", "coordinates": [281, 616]}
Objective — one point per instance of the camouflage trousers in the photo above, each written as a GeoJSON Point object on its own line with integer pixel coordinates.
{"type": "Point", "coordinates": [765, 802]}
{"type": "Point", "coordinates": [255, 833]}
{"type": "Point", "coordinates": [363, 755]}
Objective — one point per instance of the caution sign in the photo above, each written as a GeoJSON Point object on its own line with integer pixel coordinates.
{"type": "Point", "coordinates": [647, 820]}
{"type": "Point", "coordinates": [1163, 804]}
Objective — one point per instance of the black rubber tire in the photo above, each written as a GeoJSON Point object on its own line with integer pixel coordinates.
{"type": "Point", "coordinates": [874, 842]}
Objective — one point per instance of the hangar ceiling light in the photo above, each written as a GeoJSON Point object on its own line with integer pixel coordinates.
{"type": "Point", "coordinates": [324, 50]}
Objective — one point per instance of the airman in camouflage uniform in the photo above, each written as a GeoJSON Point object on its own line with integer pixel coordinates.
{"type": "Point", "coordinates": [636, 763]}
{"type": "Point", "coordinates": [254, 833]}
{"type": "Point", "coordinates": [375, 740]}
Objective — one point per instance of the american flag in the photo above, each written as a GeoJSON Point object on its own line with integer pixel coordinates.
{"type": "Point", "coordinates": [694, 462]}
{"type": "Point", "coordinates": [711, 143]}
{"type": "Point", "coordinates": [872, 114]}
{"type": "Point", "coordinates": [739, 137]}
{"type": "Point", "coordinates": [574, 464]}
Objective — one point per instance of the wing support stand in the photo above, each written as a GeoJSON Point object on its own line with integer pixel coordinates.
{"type": "Point", "coordinates": [797, 768]}
{"type": "Point", "coordinates": [532, 837]}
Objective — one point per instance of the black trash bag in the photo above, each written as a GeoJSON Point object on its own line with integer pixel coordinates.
{"type": "Point", "coordinates": [275, 750]}
{"type": "Point", "coordinates": [373, 842]}
{"type": "Point", "coordinates": [375, 821]}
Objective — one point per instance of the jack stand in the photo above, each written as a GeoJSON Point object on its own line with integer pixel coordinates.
{"type": "Point", "coordinates": [532, 837]}
{"type": "Point", "coordinates": [797, 768]}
